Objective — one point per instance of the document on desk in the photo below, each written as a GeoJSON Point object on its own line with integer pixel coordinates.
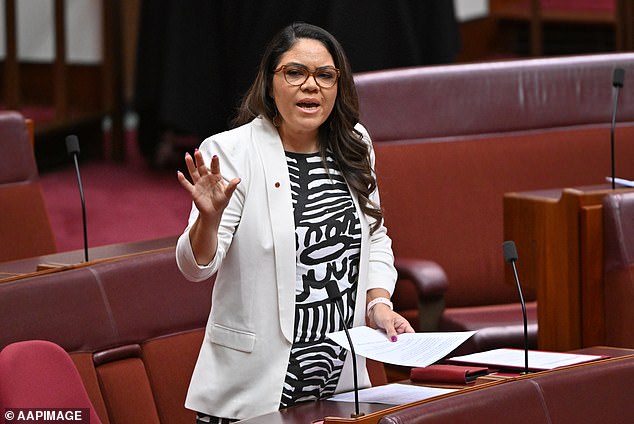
{"type": "Point", "coordinates": [392, 394]}
{"type": "Point", "coordinates": [410, 350]}
{"type": "Point", "coordinates": [621, 181]}
{"type": "Point", "coordinates": [506, 358]}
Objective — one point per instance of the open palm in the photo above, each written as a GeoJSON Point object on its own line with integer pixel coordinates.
{"type": "Point", "coordinates": [209, 190]}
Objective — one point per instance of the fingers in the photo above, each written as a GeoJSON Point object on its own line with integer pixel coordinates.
{"type": "Point", "coordinates": [191, 166]}
{"type": "Point", "coordinates": [184, 181]}
{"type": "Point", "coordinates": [215, 165]}
{"type": "Point", "coordinates": [404, 326]}
{"type": "Point", "coordinates": [391, 332]}
{"type": "Point", "coordinates": [231, 187]}
{"type": "Point", "coordinates": [392, 323]}
{"type": "Point", "coordinates": [197, 169]}
{"type": "Point", "coordinates": [197, 164]}
{"type": "Point", "coordinates": [200, 163]}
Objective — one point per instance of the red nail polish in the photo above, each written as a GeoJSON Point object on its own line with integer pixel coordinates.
{"type": "Point", "coordinates": [393, 338]}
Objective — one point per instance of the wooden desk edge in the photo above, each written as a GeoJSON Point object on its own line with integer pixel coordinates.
{"type": "Point", "coordinates": [373, 418]}
{"type": "Point", "coordinates": [63, 267]}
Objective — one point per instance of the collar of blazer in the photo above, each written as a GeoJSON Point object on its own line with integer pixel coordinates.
{"type": "Point", "coordinates": [280, 209]}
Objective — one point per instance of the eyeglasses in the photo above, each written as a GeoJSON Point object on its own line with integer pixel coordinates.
{"type": "Point", "coordinates": [325, 77]}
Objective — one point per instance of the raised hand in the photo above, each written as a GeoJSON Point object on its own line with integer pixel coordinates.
{"type": "Point", "coordinates": [209, 190]}
{"type": "Point", "coordinates": [211, 194]}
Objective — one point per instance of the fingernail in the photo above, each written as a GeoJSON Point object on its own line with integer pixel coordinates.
{"type": "Point", "coordinates": [393, 338]}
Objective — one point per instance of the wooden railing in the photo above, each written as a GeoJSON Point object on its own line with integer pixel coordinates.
{"type": "Point", "coordinates": [618, 14]}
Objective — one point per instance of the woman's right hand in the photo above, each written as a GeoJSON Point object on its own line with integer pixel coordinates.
{"type": "Point", "coordinates": [209, 190]}
{"type": "Point", "coordinates": [211, 194]}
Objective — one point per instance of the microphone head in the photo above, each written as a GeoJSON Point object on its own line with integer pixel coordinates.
{"type": "Point", "coordinates": [510, 252]}
{"type": "Point", "coordinates": [618, 77]}
{"type": "Point", "coordinates": [72, 145]}
{"type": "Point", "coordinates": [333, 290]}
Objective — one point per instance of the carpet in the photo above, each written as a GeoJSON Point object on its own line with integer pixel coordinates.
{"type": "Point", "coordinates": [125, 202]}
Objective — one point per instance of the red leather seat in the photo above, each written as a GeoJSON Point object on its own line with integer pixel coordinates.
{"type": "Point", "coordinates": [40, 374]}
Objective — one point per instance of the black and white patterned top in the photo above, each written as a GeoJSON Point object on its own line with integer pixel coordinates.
{"type": "Point", "coordinates": [328, 245]}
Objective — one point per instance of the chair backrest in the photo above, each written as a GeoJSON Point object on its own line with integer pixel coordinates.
{"type": "Point", "coordinates": [25, 229]}
{"type": "Point", "coordinates": [618, 251]}
{"type": "Point", "coordinates": [38, 374]}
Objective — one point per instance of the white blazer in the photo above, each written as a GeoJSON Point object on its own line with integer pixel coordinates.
{"type": "Point", "coordinates": [244, 356]}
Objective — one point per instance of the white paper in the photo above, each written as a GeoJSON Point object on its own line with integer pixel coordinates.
{"type": "Point", "coordinates": [392, 394]}
{"type": "Point", "coordinates": [620, 181]}
{"type": "Point", "coordinates": [514, 358]}
{"type": "Point", "coordinates": [411, 349]}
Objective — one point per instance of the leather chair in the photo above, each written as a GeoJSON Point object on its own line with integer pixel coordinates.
{"type": "Point", "coordinates": [40, 374]}
{"type": "Point", "coordinates": [25, 229]}
{"type": "Point", "coordinates": [450, 142]}
{"type": "Point", "coordinates": [618, 239]}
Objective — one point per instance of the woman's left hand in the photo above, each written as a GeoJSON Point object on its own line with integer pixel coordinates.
{"type": "Point", "coordinates": [381, 316]}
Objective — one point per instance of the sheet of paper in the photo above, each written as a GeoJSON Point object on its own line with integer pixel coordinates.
{"type": "Point", "coordinates": [514, 358]}
{"type": "Point", "coordinates": [392, 394]}
{"type": "Point", "coordinates": [411, 349]}
{"type": "Point", "coordinates": [621, 181]}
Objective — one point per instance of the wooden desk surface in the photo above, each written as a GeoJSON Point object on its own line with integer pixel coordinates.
{"type": "Point", "coordinates": [27, 267]}
{"type": "Point", "coordinates": [339, 412]}
{"type": "Point", "coordinates": [314, 411]}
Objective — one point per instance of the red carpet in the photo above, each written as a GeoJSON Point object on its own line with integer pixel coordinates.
{"type": "Point", "coordinates": [124, 202]}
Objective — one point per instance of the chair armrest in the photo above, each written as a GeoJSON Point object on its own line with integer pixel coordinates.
{"type": "Point", "coordinates": [431, 283]}
{"type": "Point", "coordinates": [428, 277]}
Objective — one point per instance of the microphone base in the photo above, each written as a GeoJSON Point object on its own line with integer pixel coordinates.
{"type": "Point", "coordinates": [354, 415]}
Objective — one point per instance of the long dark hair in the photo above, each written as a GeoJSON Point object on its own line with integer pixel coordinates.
{"type": "Point", "coordinates": [338, 134]}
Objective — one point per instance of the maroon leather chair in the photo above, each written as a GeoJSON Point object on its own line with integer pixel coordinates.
{"type": "Point", "coordinates": [40, 374]}
{"type": "Point", "coordinates": [25, 229]}
{"type": "Point", "coordinates": [618, 238]}
{"type": "Point", "coordinates": [450, 141]}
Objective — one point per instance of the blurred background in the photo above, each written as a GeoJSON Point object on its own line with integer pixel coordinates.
{"type": "Point", "coordinates": [141, 82]}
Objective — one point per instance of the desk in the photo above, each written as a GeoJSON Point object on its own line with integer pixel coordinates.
{"type": "Point", "coordinates": [559, 238]}
{"type": "Point", "coordinates": [313, 411]}
{"type": "Point", "coordinates": [334, 412]}
{"type": "Point", "coordinates": [21, 268]}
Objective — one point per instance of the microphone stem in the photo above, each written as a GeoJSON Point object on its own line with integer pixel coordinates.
{"type": "Point", "coordinates": [612, 129]}
{"type": "Point", "coordinates": [83, 207]}
{"type": "Point", "coordinates": [519, 289]}
{"type": "Point", "coordinates": [354, 363]}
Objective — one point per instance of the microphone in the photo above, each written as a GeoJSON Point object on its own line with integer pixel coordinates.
{"type": "Point", "coordinates": [335, 295]}
{"type": "Point", "coordinates": [617, 82]}
{"type": "Point", "coordinates": [510, 256]}
{"type": "Point", "coordinates": [72, 148]}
